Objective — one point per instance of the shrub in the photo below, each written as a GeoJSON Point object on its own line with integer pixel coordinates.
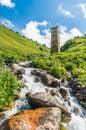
{"type": "Point", "coordinates": [8, 87]}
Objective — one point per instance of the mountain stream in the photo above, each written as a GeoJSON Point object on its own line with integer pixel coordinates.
{"type": "Point", "coordinates": [78, 121]}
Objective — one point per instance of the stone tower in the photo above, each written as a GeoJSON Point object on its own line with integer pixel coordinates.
{"type": "Point", "coordinates": [55, 40]}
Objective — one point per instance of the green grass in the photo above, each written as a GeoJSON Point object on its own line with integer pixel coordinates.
{"type": "Point", "coordinates": [13, 44]}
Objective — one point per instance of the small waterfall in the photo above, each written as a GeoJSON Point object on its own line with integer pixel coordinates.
{"type": "Point", "coordinates": [78, 121]}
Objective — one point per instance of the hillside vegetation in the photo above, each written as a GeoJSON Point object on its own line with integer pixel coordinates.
{"type": "Point", "coordinates": [15, 48]}
{"type": "Point", "coordinates": [72, 59]}
{"type": "Point", "coordinates": [12, 44]}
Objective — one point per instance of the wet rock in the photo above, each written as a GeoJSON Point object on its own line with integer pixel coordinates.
{"type": "Point", "coordinates": [39, 119]}
{"type": "Point", "coordinates": [63, 92]}
{"type": "Point", "coordinates": [76, 86]}
{"type": "Point", "coordinates": [25, 64]}
{"type": "Point", "coordinates": [45, 78]}
{"type": "Point", "coordinates": [64, 118]}
{"type": "Point", "coordinates": [47, 90]}
{"type": "Point", "coordinates": [16, 96]}
{"type": "Point", "coordinates": [63, 128]}
{"type": "Point", "coordinates": [81, 96]}
{"type": "Point", "coordinates": [37, 79]}
{"type": "Point", "coordinates": [76, 110]}
{"type": "Point", "coordinates": [2, 115]}
{"type": "Point", "coordinates": [55, 83]}
{"type": "Point", "coordinates": [54, 92]}
{"type": "Point", "coordinates": [17, 70]}
{"type": "Point", "coordinates": [5, 108]}
{"type": "Point", "coordinates": [69, 103]}
{"type": "Point", "coordinates": [43, 99]}
{"type": "Point", "coordinates": [63, 83]}
{"type": "Point", "coordinates": [28, 94]}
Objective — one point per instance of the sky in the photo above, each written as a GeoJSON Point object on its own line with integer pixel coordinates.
{"type": "Point", "coordinates": [34, 18]}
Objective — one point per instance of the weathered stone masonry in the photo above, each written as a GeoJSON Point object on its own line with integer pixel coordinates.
{"type": "Point", "coordinates": [55, 40]}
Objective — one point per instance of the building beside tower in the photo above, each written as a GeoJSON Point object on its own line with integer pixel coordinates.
{"type": "Point", "coordinates": [55, 40]}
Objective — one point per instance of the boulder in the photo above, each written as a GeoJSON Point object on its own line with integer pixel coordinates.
{"type": "Point", "coordinates": [39, 119]}
{"type": "Point", "coordinates": [64, 92]}
{"type": "Point", "coordinates": [43, 99]}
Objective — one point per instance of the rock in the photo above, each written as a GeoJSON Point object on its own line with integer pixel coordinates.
{"type": "Point", "coordinates": [63, 128]}
{"type": "Point", "coordinates": [39, 119]}
{"type": "Point", "coordinates": [2, 114]}
{"type": "Point", "coordinates": [54, 92]}
{"type": "Point", "coordinates": [46, 89]}
{"type": "Point", "coordinates": [63, 83]}
{"type": "Point", "coordinates": [55, 83]}
{"type": "Point", "coordinates": [37, 79]}
{"type": "Point", "coordinates": [76, 86]}
{"type": "Point", "coordinates": [81, 96]}
{"type": "Point", "coordinates": [28, 94]}
{"type": "Point", "coordinates": [43, 99]}
{"type": "Point", "coordinates": [63, 92]}
{"type": "Point", "coordinates": [16, 96]}
{"type": "Point", "coordinates": [17, 70]}
{"type": "Point", "coordinates": [64, 118]}
{"type": "Point", "coordinates": [5, 108]}
{"type": "Point", "coordinates": [25, 64]}
{"type": "Point", "coordinates": [45, 78]}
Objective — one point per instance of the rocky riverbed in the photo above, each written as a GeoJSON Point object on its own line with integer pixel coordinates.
{"type": "Point", "coordinates": [46, 103]}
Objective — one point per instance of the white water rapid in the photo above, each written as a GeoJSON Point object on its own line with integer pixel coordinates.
{"type": "Point", "coordinates": [78, 121]}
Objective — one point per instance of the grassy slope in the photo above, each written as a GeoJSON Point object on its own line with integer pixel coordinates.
{"type": "Point", "coordinates": [12, 43]}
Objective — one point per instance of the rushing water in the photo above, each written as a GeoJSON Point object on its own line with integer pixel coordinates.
{"type": "Point", "coordinates": [78, 121]}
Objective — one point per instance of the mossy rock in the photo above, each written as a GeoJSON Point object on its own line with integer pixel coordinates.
{"type": "Point", "coordinates": [11, 104]}
{"type": "Point", "coordinates": [65, 118]}
{"type": "Point", "coordinates": [63, 128]}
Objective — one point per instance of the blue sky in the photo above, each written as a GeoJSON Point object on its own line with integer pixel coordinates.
{"type": "Point", "coordinates": [34, 18]}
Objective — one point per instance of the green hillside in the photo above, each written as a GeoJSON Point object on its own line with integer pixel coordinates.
{"type": "Point", "coordinates": [75, 44]}
{"type": "Point", "coordinates": [21, 48]}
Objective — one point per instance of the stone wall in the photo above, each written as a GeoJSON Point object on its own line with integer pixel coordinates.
{"type": "Point", "coordinates": [55, 40]}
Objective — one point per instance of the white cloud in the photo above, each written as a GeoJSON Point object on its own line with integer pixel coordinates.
{"type": "Point", "coordinates": [7, 23]}
{"type": "Point", "coordinates": [83, 8]}
{"type": "Point", "coordinates": [65, 12]}
{"type": "Point", "coordinates": [31, 31]}
{"type": "Point", "coordinates": [7, 3]}
{"type": "Point", "coordinates": [66, 35]}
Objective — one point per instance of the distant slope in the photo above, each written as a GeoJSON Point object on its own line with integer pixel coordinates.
{"type": "Point", "coordinates": [75, 43]}
{"type": "Point", "coordinates": [12, 43]}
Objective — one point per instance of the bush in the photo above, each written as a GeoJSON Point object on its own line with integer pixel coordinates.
{"type": "Point", "coordinates": [8, 87]}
